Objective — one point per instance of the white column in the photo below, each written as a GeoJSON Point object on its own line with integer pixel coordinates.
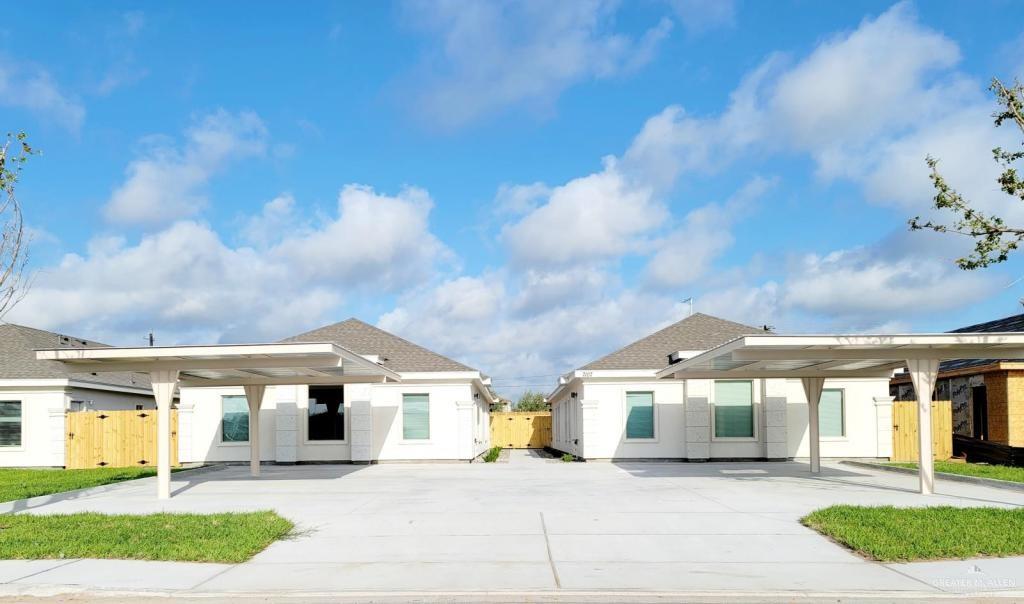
{"type": "Point", "coordinates": [883, 426]}
{"type": "Point", "coordinates": [186, 415]}
{"type": "Point", "coordinates": [923, 372]}
{"type": "Point", "coordinates": [58, 436]}
{"type": "Point", "coordinates": [812, 388]}
{"type": "Point", "coordinates": [776, 420]}
{"type": "Point", "coordinates": [698, 419]}
{"type": "Point", "coordinates": [254, 396]}
{"type": "Point", "coordinates": [163, 382]}
{"type": "Point", "coordinates": [590, 430]}
{"type": "Point", "coordinates": [286, 433]}
{"type": "Point", "coordinates": [465, 448]}
{"type": "Point", "coordinates": [361, 427]}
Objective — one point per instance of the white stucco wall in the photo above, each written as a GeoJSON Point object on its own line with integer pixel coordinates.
{"type": "Point", "coordinates": [38, 445]}
{"type": "Point", "coordinates": [42, 420]}
{"type": "Point", "coordinates": [454, 434]}
{"type": "Point", "coordinates": [861, 421]}
{"type": "Point", "coordinates": [611, 442]}
{"type": "Point", "coordinates": [606, 438]}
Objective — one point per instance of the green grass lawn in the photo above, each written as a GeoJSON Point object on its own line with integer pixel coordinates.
{"type": "Point", "coordinates": [891, 534]}
{"type": "Point", "coordinates": [25, 483]}
{"type": "Point", "coordinates": [185, 537]}
{"type": "Point", "coordinates": [1009, 473]}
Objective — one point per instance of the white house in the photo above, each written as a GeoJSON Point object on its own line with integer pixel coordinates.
{"type": "Point", "coordinates": [423, 407]}
{"type": "Point", "coordinates": [616, 408]}
{"type": "Point", "coordinates": [438, 410]}
{"type": "Point", "coordinates": [35, 394]}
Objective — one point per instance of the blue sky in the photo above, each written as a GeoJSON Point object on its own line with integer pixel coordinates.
{"type": "Point", "coordinates": [523, 186]}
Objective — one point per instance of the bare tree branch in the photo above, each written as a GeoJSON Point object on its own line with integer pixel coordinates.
{"type": "Point", "coordinates": [14, 282]}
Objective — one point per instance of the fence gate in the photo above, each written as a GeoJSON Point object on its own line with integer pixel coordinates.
{"type": "Point", "coordinates": [114, 439]}
{"type": "Point", "coordinates": [521, 429]}
{"type": "Point", "coordinates": [904, 430]}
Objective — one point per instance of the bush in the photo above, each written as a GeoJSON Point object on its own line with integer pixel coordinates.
{"type": "Point", "coordinates": [532, 401]}
{"type": "Point", "coordinates": [492, 455]}
{"type": "Point", "coordinates": [568, 457]}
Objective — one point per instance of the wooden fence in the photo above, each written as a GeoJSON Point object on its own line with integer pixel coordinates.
{"type": "Point", "coordinates": [904, 430]}
{"type": "Point", "coordinates": [521, 429]}
{"type": "Point", "coordinates": [114, 439]}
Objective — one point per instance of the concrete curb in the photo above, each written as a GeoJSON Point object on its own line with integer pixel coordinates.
{"type": "Point", "coordinates": [21, 505]}
{"type": "Point", "coordinates": [986, 482]}
{"type": "Point", "coordinates": [62, 593]}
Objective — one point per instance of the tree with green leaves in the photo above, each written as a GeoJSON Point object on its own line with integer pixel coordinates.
{"type": "Point", "coordinates": [994, 240]}
{"type": "Point", "coordinates": [13, 240]}
{"type": "Point", "coordinates": [532, 401]}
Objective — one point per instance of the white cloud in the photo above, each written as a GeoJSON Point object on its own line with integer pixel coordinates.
{"type": "Point", "coordinates": [379, 239]}
{"type": "Point", "coordinates": [894, 282]}
{"type": "Point", "coordinates": [493, 55]}
{"type": "Point", "coordinates": [698, 16]}
{"type": "Point", "coordinates": [504, 341]}
{"type": "Point", "coordinates": [687, 252]}
{"type": "Point", "coordinates": [590, 218]}
{"type": "Point", "coordinates": [275, 221]}
{"type": "Point", "coordinates": [895, 172]}
{"type": "Point", "coordinates": [168, 183]}
{"type": "Point", "coordinates": [872, 80]}
{"type": "Point", "coordinates": [30, 87]}
{"type": "Point", "coordinates": [520, 199]}
{"type": "Point", "coordinates": [189, 284]}
{"type": "Point", "coordinates": [544, 290]}
{"type": "Point", "coordinates": [864, 285]}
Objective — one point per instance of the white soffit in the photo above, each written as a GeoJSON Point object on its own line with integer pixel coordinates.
{"type": "Point", "coordinates": [839, 356]}
{"type": "Point", "coordinates": [231, 364]}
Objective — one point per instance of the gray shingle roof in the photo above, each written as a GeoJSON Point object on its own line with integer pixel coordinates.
{"type": "Point", "coordinates": [696, 332]}
{"type": "Point", "coordinates": [1013, 324]}
{"type": "Point", "coordinates": [18, 358]}
{"type": "Point", "coordinates": [395, 353]}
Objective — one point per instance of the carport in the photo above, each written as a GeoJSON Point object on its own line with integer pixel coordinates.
{"type": "Point", "coordinates": [251, 366]}
{"type": "Point", "coordinates": [815, 358]}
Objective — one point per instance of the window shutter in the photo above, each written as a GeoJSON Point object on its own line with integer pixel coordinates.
{"type": "Point", "coordinates": [734, 409]}
{"type": "Point", "coordinates": [415, 416]}
{"type": "Point", "coordinates": [830, 413]}
{"type": "Point", "coordinates": [639, 415]}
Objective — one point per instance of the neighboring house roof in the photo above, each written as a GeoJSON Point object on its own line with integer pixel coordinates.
{"type": "Point", "coordinates": [18, 345]}
{"type": "Point", "coordinates": [1012, 324]}
{"type": "Point", "coordinates": [393, 352]}
{"type": "Point", "coordinates": [696, 332]}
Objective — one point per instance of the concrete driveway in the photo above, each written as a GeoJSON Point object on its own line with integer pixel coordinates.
{"type": "Point", "coordinates": [531, 525]}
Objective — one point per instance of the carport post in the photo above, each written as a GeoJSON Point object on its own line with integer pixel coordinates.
{"type": "Point", "coordinates": [812, 389]}
{"type": "Point", "coordinates": [254, 397]}
{"type": "Point", "coordinates": [163, 383]}
{"type": "Point", "coordinates": [923, 372]}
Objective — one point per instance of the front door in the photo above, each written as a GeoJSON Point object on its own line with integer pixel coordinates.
{"type": "Point", "coordinates": [979, 412]}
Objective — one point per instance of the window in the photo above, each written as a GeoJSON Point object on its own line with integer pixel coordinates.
{"type": "Point", "coordinates": [639, 415]}
{"type": "Point", "coordinates": [235, 420]}
{"type": "Point", "coordinates": [326, 419]}
{"type": "Point", "coordinates": [830, 413]}
{"type": "Point", "coordinates": [415, 417]}
{"type": "Point", "coordinates": [734, 409]}
{"type": "Point", "coordinates": [10, 423]}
